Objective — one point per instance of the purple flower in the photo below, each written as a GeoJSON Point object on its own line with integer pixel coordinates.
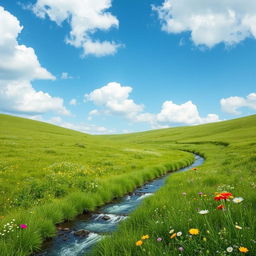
{"type": "Point", "coordinates": [200, 193]}
{"type": "Point", "coordinates": [181, 249]}
{"type": "Point", "coordinates": [159, 239]}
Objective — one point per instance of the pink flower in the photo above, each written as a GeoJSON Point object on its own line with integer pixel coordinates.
{"type": "Point", "coordinates": [181, 249]}
{"type": "Point", "coordinates": [159, 239]}
{"type": "Point", "coordinates": [23, 226]}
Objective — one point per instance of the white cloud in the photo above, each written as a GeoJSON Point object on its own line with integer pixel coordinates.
{"type": "Point", "coordinates": [114, 99]}
{"type": "Point", "coordinates": [65, 75]}
{"type": "Point", "coordinates": [85, 17]}
{"type": "Point", "coordinates": [73, 102]}
{"type": "Point", "coordinates": [186, 113]}
{"type": "Point", "coordinates": [19, 66]}
{"type": "Point", "coordinates": [232, 105]}
{"type": "Point", "coordinates": [210, 22]}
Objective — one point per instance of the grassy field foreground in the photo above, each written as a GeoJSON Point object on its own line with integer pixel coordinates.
{"type": "Point", "coordinates": [51, 174]}
{"type": "Point", "coordinates": [189, 216]}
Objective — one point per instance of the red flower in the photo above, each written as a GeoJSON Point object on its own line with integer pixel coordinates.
{"type": "Point", "coordinates": [220, 207]}
{"type": "Point", "coordinates": [223, 196]}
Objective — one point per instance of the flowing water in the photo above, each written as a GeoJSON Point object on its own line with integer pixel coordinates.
{"type": "Point", "coordinates": [77, 237]}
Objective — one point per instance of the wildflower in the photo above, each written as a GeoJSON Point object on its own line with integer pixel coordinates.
{"type": "Point", "coordinates": [223, 196]}
{"type": "Point", "coordinates": [238, 227]}
{"type": "Point", "coordinates": [139, 243]}
{"type": "Point", "coordinates": [181, 249]}
{"type": "Point", "coordinates": [145, 237]}
{"type": "Point", "coordinates": [179, 233]}
{"type": "Point", "coordinates": [171, 231]}
{"type": "Point", "coordinates": [184, 193]}
{"type": "Point", "coordinates": [159, 239]}
{"type": "Point", "coordinates": [23, 226]}
{"type": "Point", "coordinates": [173, 235]}
{"type": "Point", "coordinates": [230, 249]}
{"type": "Point", "coordinates": [203, 212]}
{"type": "Point", "coordinates": [194, 231]}
{"type": "Point", "coordinates": [194, 169]}
{"type": "Point", "coordinates": [204, 239]}
{"type": "Point", "coordinates": [243, 249]}
{"type": "Point", "coordinates": [220, 207]}
{"type": "Point", "coordinates": [200, 193]}
{"type": "Point", "coordinates": [238, 200]}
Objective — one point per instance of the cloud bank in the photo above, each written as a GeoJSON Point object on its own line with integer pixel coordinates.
{"type": "Point", "coordinates": [19, 66]}
{"type": "Point", "coordinates": [114, 99]}
{"type": "Point", "coordinates": [232, 104]}
{"type": "Point", "coordinates": [209, 22]}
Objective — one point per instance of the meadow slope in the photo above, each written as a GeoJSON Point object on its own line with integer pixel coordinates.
{"type": "Point", "coordinates": [187, 216]}
{"type": "Point", "coordinates": [50, 174]}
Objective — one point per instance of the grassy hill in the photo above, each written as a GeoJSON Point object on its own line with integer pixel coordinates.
{"type": "Point", "coordinates": [49, 174]}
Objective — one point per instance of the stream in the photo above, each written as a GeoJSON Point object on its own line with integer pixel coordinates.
{"type": "Point", "coordinates": [77, 237]}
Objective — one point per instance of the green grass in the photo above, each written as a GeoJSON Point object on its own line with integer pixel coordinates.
{"type": "Point", "coordinates": [50, 174]}
{"type": "Point", "coordinates": [229, 148]}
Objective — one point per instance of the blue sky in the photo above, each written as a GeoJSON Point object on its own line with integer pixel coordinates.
{"type": "Point", "coordinates": [159, 68]}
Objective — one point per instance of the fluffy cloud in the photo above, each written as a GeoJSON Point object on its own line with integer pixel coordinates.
{"type": "Point", "coordinates": [210, 22]}
{"type": "Point", "coordinates": [186, 113]}
{"type": "Point", "coordinates": [114, 99]}
{"type": "Point", "coordinates": [232, 105]}
{"type": "Point", "coordinates": [85, 17]}
{"type": "Point", "coordinates": [19, 66]}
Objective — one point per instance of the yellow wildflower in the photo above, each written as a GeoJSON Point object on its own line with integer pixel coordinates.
{"type": "Point", "coordinates": [243, 249]}
{"type": "Point", "coordinates": [194, 231]}
{"type": "Point", "coordinates": [139, 243]}
{"type": "Point", "coordinates": [145, 237]}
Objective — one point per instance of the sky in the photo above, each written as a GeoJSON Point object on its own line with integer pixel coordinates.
{"type": "Point", "coordinates": [102, 66]}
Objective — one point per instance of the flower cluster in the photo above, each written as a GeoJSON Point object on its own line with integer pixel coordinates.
{"type": "Point", "coordinates": [10, 227]}
{"type": "Point", "coordinates": [140, 242]}
{"type": "Point", "coordinates": [180, 240]}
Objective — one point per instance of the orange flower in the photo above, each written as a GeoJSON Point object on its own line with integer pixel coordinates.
{"type": "Point", "coordinates": [220, 207]}
{"type": "Point", "coordinates": [243, 249]}
{"type": "Point", "coordinates": [139, 243]}
{"type": "Point", "coordinates": [173, 235]}
{"type": "Point", "coordinates": [194, 169]}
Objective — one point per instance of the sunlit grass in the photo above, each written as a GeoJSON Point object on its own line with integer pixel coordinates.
{"type": "Point", "coordinates": [50, 174]}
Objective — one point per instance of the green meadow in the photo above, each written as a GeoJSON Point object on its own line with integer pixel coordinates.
{"type": "Point", "coordinates": [51, 174]}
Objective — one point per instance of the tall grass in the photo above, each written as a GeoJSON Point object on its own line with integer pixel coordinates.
{"type": "Point", "coordinates": [51, 174]}
{"type": "Point", "coordinates": [228, 167]}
